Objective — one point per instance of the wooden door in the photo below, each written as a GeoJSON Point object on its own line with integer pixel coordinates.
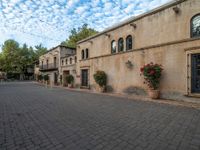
{"type": "Point", "coordinates": [84, 77]}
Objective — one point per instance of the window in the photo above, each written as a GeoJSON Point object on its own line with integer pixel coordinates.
{"type": "Point", "coordinates": [70, 60]}
{"type": "Point", "coordinates": [82, 54]}
{"type": "Point", "coordinates": [62, 62]}
{"type": "Point", "coordinates": [86, 53]}
{"type": "Point", "coordinates": [195, 26]}
{"type": "Point", "coordinates": [66, 61]}
{"type": "Point", "coordinates": [42, 64]}
{"type": "Point", "coordinates": [55, 61]}
{"type": "Point", "coordinates": [129, 42]}
{"type": "Point", "coordinates": [113, 47]}
{"type": "Point", "coordinates": [121, 45]}
{"type": "Point", "coordinates": [47, 63]}
{"type": "Point", "coordinates": [75, 59]}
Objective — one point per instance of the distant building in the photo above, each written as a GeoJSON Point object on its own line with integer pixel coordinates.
{"type": "Point", "coordinates": [68, 66]}
{"type": "Point", "coordinates": [2, 76]}
{"type": "Point", "coordinates": [50, 63]}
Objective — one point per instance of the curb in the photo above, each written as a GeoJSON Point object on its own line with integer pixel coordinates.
{"type": "Point", "coordinates": [133, 97]}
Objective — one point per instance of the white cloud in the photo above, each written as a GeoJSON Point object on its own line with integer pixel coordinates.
{"type": "Point", "coordinates": [81, 9]}
{"type": "Point", "coordinates": [50, 21]}
{"type": "Point", "coordinates": [130, 8]}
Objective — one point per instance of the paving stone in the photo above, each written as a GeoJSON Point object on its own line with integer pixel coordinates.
{"type": "Point", "coordinates": [33, 117]}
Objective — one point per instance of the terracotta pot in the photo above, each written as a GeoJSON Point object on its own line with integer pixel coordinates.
{"type": "Point", "coordinates": [101, 89]}
{"type": "Point", "coordinates": [154, 94]}
{"type": "Point", "coordinates": [70, 85]}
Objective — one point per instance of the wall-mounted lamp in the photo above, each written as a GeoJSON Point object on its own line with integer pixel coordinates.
{"type": "Point", "coordinates": [91, 42]}
{"type": "Point", "coordinates": [129, 64]}
{"type": "Point", "coordinates": [133, 25]}
{"type": "Point", "coordinates": [74, 71]}
{"type": "Point", "coordinates": [176, 9]}
{"type": "Point", "coordinates": [108, 35]}
{"type": "Point", "coordinates": [142, 52]}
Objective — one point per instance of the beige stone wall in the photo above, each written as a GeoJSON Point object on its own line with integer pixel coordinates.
{"type": "Point", "coordinates": [58, 52]}
{"type": "Point", "coordinates": [161, 27]}
{"type": "Point", "coordinates": [50, 57]}
{"type": "Point", "coordinates": [160, 38]}
{"type": "Point", "coordinates": [71, 67]}
{"type": "Point", "coordinates": [68, 60]}
{"type": "Point", "coordinates": [122, 79]}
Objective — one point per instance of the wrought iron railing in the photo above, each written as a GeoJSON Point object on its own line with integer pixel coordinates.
{"type": "Point", "coordinates": [49, 66]}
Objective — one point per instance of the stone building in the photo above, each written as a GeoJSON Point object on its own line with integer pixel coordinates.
{"type": "Point", "coordinates": [68, 66]}
{"type": "Point", "coordinates": [50, 63]}
{"type": "Point", "coordinates": [168, 35]}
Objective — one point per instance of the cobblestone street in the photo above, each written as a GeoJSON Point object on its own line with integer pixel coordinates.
{"type": "Point", "coordinates": [36, 118]}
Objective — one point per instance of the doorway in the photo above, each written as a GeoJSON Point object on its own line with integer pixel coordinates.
{"type": "Point", "coordinates": [84, 77]}
{"type": "Point", "coordinates": [55, 78]}
{"type": "Point", "coordinates": [195, 73]}
{"type": "Point", "coordinates": [65, 73]}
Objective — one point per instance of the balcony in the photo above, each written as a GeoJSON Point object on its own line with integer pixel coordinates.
{"type": "Point", "coordinates": [49, 67]}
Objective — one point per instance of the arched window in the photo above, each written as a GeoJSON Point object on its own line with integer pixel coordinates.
{"type": "Point", "coordinates": [113, 47]}
{"type": "Point", "coordinates": [47, 63]}
{"type": "Point", "coordinates": [82, 54]}
{"type": "Point", "coordinates": [129, 42]}
{"type": "Point", "coordinates": [75, 59]}
{"type": "Point", "coordinates": [66, 61]}
{"type": "Point", "coordinates": [120, 45]}
{"type": "Point", "coordinates": [62, 62]}
{"type": "Point", "coordinates": [86, 53]}
{"type": "Point", "coordinates": [195, 26]}
{"type": "Point", "coordinates": [70, 60]}
{"type": "Point", "coordinates": [42, 64]}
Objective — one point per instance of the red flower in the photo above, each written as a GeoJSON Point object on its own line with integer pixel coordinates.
{"type": "Point", "coordinates": [142, 69]}
{"type": "Point", "coordinates": [152, 72]}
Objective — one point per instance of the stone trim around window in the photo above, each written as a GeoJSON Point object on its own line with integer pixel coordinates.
{"type": "Point", "coordinates": [146, 48]}
{"type": "Point", "coordinates": [189, 52]}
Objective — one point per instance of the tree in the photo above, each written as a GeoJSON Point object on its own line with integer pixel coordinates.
{"type": "Point", "coordinates": [1, 61]}
{"type": "Point", "coordinates": [9, 56]}
{"type": "Point", "coordinates": [40, 50]}
{"type": "Point", "coordinates": [78, 34]}
{"type": "Point", "coordinates": [16, 60]}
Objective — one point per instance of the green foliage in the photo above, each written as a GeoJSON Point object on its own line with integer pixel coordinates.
{"type": "Point", "coordinates": [69, 79]}
{"type": "Point", "coordinates": [1, 61]}
{"type": "Point", "coordinates": [40, 50]}
{"type": "Point", "coordinates": [78, 34]}
{"type": "Point", "coordinates": [16, 59]}
{"type": "Point", "coordinates": [61, 79]}
{"type": "Point", "coordinates": [9, 56]}
{"type": "Point", "coordinates": [40, 77]}
{"type": "Point", "coordinates": [46, 77]}
{"type": "Point", "coordinates": [152, 74]}
{"type": "Point", "coordinates": [100, 78]}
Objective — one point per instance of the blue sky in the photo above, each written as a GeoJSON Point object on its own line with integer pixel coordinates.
{"type": "Point", "coordinates": [50, 21]}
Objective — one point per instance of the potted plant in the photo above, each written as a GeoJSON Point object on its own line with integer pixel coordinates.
{"type": "Point", "coordinates": [70, 80]}
{"type": "Point", "coordinates": [40, 78]}
{"type": "Point", "coordinates": [100, 78]}
{"type": "Point", "coordinates": [46, 79]}
{"type": "Point", "coordinates": [152, 74]}
{"type": "Point", "coordinates": [60, 79]}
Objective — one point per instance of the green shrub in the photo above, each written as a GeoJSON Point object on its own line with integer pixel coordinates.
{"type": "Point", "coordinates": [40, 77]}
{"type": "Point", "coordinates": [46, 77]}
{"type": "Point", "coordinates": [69, 79]}
{"type": "Point", "coordinates": [61, 79]}
{"type": "Point", "coordinates": [100, 78]}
